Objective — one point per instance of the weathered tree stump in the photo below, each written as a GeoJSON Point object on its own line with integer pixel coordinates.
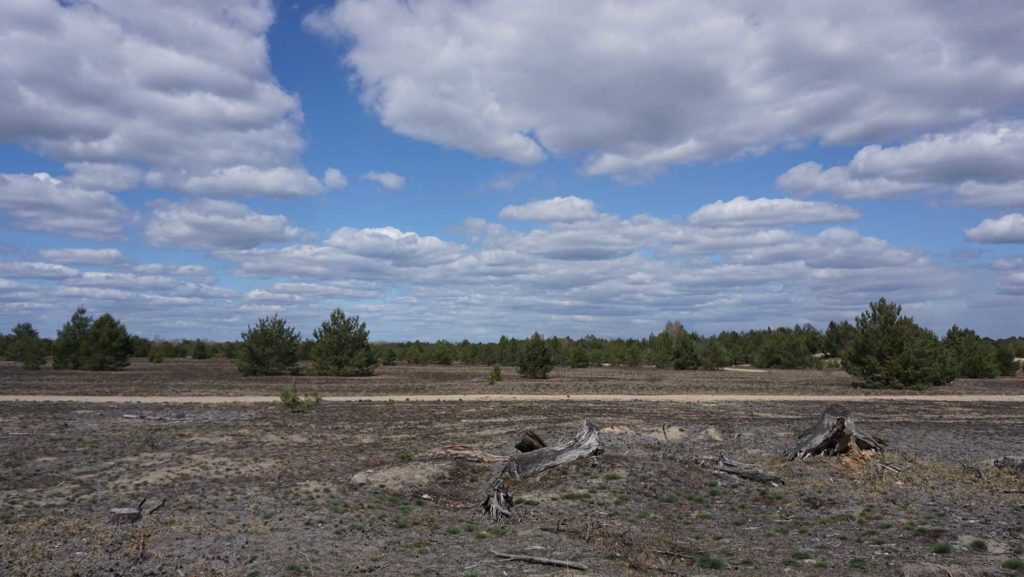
{"type": "Point", "coordinates": [530, 442]}
{"type": "Point", "coordinates": [125, 515]}
{"type": "Point", "coordinates": [835, 434]}
{"type": "Point", "coordinates": [585, 443]}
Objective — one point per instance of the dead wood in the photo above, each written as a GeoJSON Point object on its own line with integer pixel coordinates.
{"type": "Point", "coordinates": [530, 442]}
{"type": "Point", "coordinates": [498, 502]}
{"type": "Point", "coordinates": [540, 560]}
{"type": "Point", "coordinates": [125, 515]}
{"type": "Point", "coordinates": [1011, 463]}
{"type": "Point", "coordinates": [729, 468]}
{"type": "Point", "coordinates": [836, 433]}
{"type": "Point", "coordinates": [586, 442]}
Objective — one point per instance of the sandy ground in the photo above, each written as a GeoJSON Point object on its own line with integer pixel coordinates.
{"type": "Point", "coordinates": [498, 398]}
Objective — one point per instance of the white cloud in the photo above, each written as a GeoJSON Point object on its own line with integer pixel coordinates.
{"type": "Point", "coordinates": [84, 256]}
{"type": "Point", "coordinates": [388, 180]}
{"type": "Point", "coordinates": [719, 79]}
{"type": "Point", "coordinates": [103, 175]}
{"type": "Point", "coordinates": [742, 211]}
{"type": "Point", "coordinates": [334, 179]}
{"type": "Point", "coordinates": [398, 247]}
{"type": "Point", "coordinates": [183, 91]}
{"type": "Point", "coordinates": [42, 203]}
{"type": "Point", "coordinates": [557, 209]}
{"type": "Point", "coordinates": [1003, 230]}
{"type": "Point", "coordinates": [39, 270]}
{"type": "Point", "coordinates": [215, 224]}
{"type": "Point", "coordinates": [244, 180]}
{"type": "Point", "coordinates": [980, 163]}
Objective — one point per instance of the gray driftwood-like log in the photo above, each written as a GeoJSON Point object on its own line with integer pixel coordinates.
{"type": "Point", "coordinates": [835, 433]}
{"type": "Point", "coordinates": [1012, 463]}
{"type": "Point", "coordinates": [530, 442]}
{"type": "Point", "coordinates": [585, 443]}
{"type": "Point", "coordinates": [732, 470]}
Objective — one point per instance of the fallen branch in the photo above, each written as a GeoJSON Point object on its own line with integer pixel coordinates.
{"type": "Point", "coordinates": [723, 465]}
{"type": "Point", "coordinates": [540, 560]}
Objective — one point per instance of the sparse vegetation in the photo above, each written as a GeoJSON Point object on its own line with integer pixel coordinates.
{"type": "Point", "coordinates": [495, 375]}
{"type": "Point", "coordinates": [26, 347]}
{"type": "Point", "coordinates": [298, 403]}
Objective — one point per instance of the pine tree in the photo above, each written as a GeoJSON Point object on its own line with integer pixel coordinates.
{"type": "Point", "coordinates": [341, 347]}
{"type": "Point", "coordinates": [26, 346]}
{"type": "Point", "coordinates": [67, 353]}
{"type": "Point", "coordinates": [535, 361]}
{"type": "Point", "coordinates": [269, 348]}
{"type": "Point", "coordinates": [106, 345]}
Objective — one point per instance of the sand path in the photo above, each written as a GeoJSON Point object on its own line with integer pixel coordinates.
{"type": "Point", "coordinates": [490, 398]}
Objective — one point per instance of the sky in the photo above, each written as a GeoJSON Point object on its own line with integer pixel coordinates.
{"type": "Point", "coordinates": [450, 169]}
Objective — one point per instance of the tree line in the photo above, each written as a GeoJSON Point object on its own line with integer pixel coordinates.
{"type": "Point", "coordinates": [882, 348]}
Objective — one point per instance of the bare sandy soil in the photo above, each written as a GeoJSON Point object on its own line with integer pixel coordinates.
{"type": "Point", "coordinates": [253, 490]}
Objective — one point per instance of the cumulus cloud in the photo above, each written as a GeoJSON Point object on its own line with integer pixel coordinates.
{"type": "Point", "coordinates": [182, 92]}
{"type": "Point", "coordinates": [557, 209]}
{"type": "Point", "coordinates": [41, 203]}
{"type": "Point", "coordinates": [388, 180]}
{"type": "Point", "coordinates": [83, 256]}
{"type": "Point", "coordinates": [334, 179]}
{"type": "Point", "coordinates": [215, 224]}
{"type": "Point", "coordinates": [720, 79]}
{"type": "Point", "coordinates": [39, 270]}
{"type": "Point", "coordinates": [979, 163]}
{"type": "Point", "coordinates": [742, 211]}
{"type": "Point", "coordinates": [1003, 230]}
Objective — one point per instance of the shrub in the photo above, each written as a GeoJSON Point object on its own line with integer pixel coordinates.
{"type": "Point", "coordinates": [341, 347]}
{"type": "Point", "coordinates": [674, 347]}
{"type": "Point", "coordinates": [1005, 361]}
{"type": "Point", "coordinates": [156, 356]}
{"type": "Point", "coordinates": [535, 360]}
{"type": "Point", "coordinates": [713, 355]}
{"type": "Point", "coordinates": [389, 358]}
{"type": "Point", "coordinates": [892, 351]}
{"type": "Point", "coordinates": [579, 358]}
{"type": "Point", "coordinates": [106, 345]}
{"type": "Point", "coordinates": [67, 352]}
{"type": "Point", "coordinates": [783, 349]}
{"type": "Point", "coordinates": [269, 348]}
{"type": "Point", "coordinates": [297, 403]}
{"type": "Point", "coordinates": [495, 375]}
{"type": "Point", "coordinates": [26, 346]}
{"type": "Point", "coordinates": [200, 351]}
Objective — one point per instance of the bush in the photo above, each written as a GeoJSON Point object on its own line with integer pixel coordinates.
{"type": "Point", "coordinates": [156, 356]}
{"type": "Point", "coordinates": [495, 375]}
{"type": "Point", "coordinates": [200, 351]}
{"type": "Point", "coordinates": [297, 403]}
{"type": "Point", "coordinates": [341, 347]}
{"type": "Point", "coordinates": [891, 351]}
{"type": "Point", "coordinates": [106, 346]}
{"type": "Point", "coordinates": [26, 346]}
{"type": "Point", "coordinates": [535, 360]}
{"type": "Point", "coordinates": [783, 349]}
{"type": "Point", "coordinates": [269, 348]}
{"type": "Point", "coordinates": [713, 355]}
{"type": "Point", "coordinates": [579, 358]}
{"type": "Point", "coordinates": [674, 347]}
{"type": "Point", "coordinates": [67, 353]}
{"type": "Point", "coordinates": [1005, 361]}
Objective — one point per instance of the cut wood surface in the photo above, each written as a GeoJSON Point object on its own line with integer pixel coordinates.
{"type": "Point", "coordinates": [836, 433]}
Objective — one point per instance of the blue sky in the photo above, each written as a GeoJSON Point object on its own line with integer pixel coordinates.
{"type": "Point", "coordinates": [456, 170]}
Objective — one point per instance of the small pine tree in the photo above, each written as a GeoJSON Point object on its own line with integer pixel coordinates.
{"type": "Point", "coordinates": [973, 357]}
{"type": "Point", "coordinates": [389, 358]}
{"type": "Point", "coordinates": [67, 353]}
{"type": "Point", "coordinates": [495, 375]}
{"type": "Point", "coordinates": [341, 347]}
{"type": "Point", "coordinates": [713, 355]}
{"type": "Point", "coordinates": [26, 346]}
{"type": "Point", "coordinates": [269, 348]}
{"type": "Point", "coordinates": [1008, 365]}
{"type": "Point", "coordinates": [106, 345]}
{"type": "Point", "coordinates": [535, 361]}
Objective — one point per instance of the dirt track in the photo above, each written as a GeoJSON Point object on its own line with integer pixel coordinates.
{"type": "Point", "coordinates": [702, 398]}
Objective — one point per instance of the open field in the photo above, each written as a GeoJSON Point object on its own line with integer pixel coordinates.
{"type": "Point", "coordinates": [252, 489]}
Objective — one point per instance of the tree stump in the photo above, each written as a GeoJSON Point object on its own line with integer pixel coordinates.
{"type": "Point", "coordinates": [835, 433]}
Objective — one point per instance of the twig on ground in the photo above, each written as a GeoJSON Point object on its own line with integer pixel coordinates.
{"type": "Point", "coordinates": [540, 560]}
